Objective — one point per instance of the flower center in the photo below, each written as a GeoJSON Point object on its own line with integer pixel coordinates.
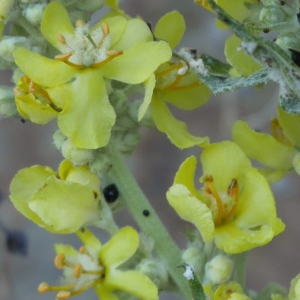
{"type": "Point", "coordinates": [84, 269]}
{"type": "Point", "coordinates": [278, 133]}
{"type": "Point", "coordinates": [171, 76]}
{"type": "Point", "coordinates": [25, 86]}
{"type": "Point", "coordinates": [86, 49]}
{"type": "Point", "coordinates": [223, 207]}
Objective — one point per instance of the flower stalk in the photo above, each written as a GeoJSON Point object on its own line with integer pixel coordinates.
{"type": "Point", "coordinates": [136, 202]}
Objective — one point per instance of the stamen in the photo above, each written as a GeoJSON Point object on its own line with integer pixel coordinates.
{"type": "Point", "coordinates": [63, 57]}
{"type": "Point", "coordinates": [114, 52]}
{"type": "Point", "coordinates": [83, 250]}
{"type": "Point", "coordinates": [174, 67]}
{"type": "Point", "coordinates": [184, 87]}
{"type": "Point", "coordinates": [211, 190]}
{"type": "Point", "coordinates": [26, 79]}
{"type": "Point", "coordinates": [61, 39]}
{"type": "Point", "coordinates": [80, 23]}
{"type": "Point", "coordinates": [103, 62]}
{"type": "Point", "coordinates": [233, 191]}
{"type": "Point", "coordinates": [78, 271]}
{"type": "Point", "coordinates": [91, 41]}
{"type": "Point", "coordinates": [60, 261]}
{"type": "Point", "coordinates": [45, 287]}
{"type": "Point", "coordinates": [63, 295]}
{"type": "Point", "coordinates": [105, 29]}
{"type": "Point", "coordinates": [31, 87]}
{"type": "Point", "coordinates": [174, 83]}
{"type": "Point", "coordinates": [278, 133]}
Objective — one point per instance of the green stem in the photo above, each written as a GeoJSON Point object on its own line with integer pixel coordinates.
{"type": "Point", "coordinates": [240, 268]}
{"type": "Point", "coordinates": [136, 202]}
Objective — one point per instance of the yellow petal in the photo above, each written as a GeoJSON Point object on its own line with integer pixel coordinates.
{"type": "Point", "coordinates": [137, 63]}
{"type": "Point", "coordinates": [149, 87]}
{"type": "Point", "coordinates": [56, 21]}
{"type": "Point", "coordinates": [120, 247]}
{"type": "Point", "coordinates": [87, 117]}
{"type": "Point", "coordinates": [190, 209]}
{"type": "Point", "coordinates": [25, 183]}
{"type": "Point", "coordinates": [176, 130]}
{"type": "Point", "coordinates": [243, 63]}
{"type": "Point", "coordinates": [42, 70]}
{"type": "Point", "coordinates": [170, 28]}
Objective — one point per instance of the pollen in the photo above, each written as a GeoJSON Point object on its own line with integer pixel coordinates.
{"type": "Point", "coordinates": [63, 295]}
{"type": "Point", "coordinates": [278, 133]}
{"type": "Point", "coordinates": [59, 261]}
{"type": "Point", "coordinates": [43, 287]}
{"type": "Point", "coordinates": [61, 39]}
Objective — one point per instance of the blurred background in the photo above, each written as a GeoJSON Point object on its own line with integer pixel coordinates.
{"type": "Point", "coordinates": [154, 164]}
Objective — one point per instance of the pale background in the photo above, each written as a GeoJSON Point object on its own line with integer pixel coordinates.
{"type": "Point", "coordinates": [154, 164]}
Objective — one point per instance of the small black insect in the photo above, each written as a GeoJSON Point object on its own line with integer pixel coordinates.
{"type": "Point", "coordinates": [295, 57]}
{"type": "Point", "coordinates": [16, 242]}
{"type": "Point", "coordinates": [111, 193]}
{"type": "Point", "coordinates": [146, 212]}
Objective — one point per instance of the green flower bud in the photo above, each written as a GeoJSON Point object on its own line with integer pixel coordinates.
{"type": "Point", "coordinates": [34, 13]}
{"type": "Point", "coordinates": [100, 164]}
{"type": "Point", "coordinates": [146, 121]}
{"type": "Point", "coordinates": [155, 270]}
{"type": "Point", "coordinates": [272, 14]}
{"type": "Point", "coordinates": [288, 40]}
{"type": "Point", "coordinates": [219, 269]}
{"type": "Point", "coordinates": [17, 75]}
{"type": "Point", "coordinates": [76, 155]}
{"type": "Point", "coordinates": [8, 106]}
{"type": "Point", "coordinates": [58, 139]}
{"type": "Point", "coordinates": [9, 44]}
{"type": "Point", "coordinates": [90, 5]}
{"type": "Point", "coordinates": [118, 100]}
{"type": "Point", "coordinates": [194, 257]}
{"type": "Point", "coordinates": [126, 141]}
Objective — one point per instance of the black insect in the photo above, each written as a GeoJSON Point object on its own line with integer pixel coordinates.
{"type": "Point", "coordinates": [146, 212]}
{"type": "Point", "coordinates": [111, 193]}
{"type": "Point", "coordinates": [295, 57]}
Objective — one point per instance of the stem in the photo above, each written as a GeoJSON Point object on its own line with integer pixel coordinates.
{"type": "Point", "coordinates": [240, 268]}
{"type": "Point", "coordinates": [136, 202]}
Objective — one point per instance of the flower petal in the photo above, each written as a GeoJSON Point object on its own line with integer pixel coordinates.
{"type": "Point", "coordinates": [65, 206]}
{"type": "Point", "coordinates": [270, 152]}
{"type": "Point", "coordinates": [224, 161]}
{"type": "Point", "coordinates": [137, 63]}
{"type": "Point", "coordinates": [56, 21]}
{"type": "Point", "coordinates": [120, 247]}
{"type": "Point", "coordinates": [132, 282]}
{"type": "Point", "coordinates": [67, 250]}
{"type": "Point", "coordinates": [149, 87]}
{"type": "Point", "coordinates": [186, 175]}
{"type": "Point", "coordinates": [290, 124]}
{"type": "Point", "coordinates": [244, 64]}
{"type": "Point", "coordinates": [190, 209]}
{"type": "Point", "coordinates": [104, 292]}
{"type": "Point", "coordinates": [255, 223]}
{"type": "Point", "coordinates": [170, 28]}
{"type": "Point", "coordinates": [87, 117]}
{"type": "Point", "coordinates": [24, 184]}
{"type": "Point", "coordinates": [187, 98]}
{"type": "Point", "coordinates": [42, 70]}
{"type": "Point", "coordinates": [89, 239]}
{"type": "Point", "coordinates": [176, 130]}
{"type": "Point", "coordinates": [33, 109]}
{"type": "Point", "coordinates": [136, 31]}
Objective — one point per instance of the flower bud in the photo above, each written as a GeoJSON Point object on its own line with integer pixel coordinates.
{"type": "Point", "coordinates": [58, 139]}
{"type": "Point", "coordinates": [219, 269]}
{"type": "Point", "coordinates": [155, 270]}
{"type": "Point", "coordinates": [9, 44]}
{"type": "Point", "coordinates": [34, 13]}
{"type": "Point", "coordinates": [8, 106]}
{"type": "Point", "coordinates": [288, 40]}
{"type": "Point", "coordinates": [118, 100]}
{"type": "Point", "coordinates": [193, 257]}
{"type": "Point", "coordinates": [76, 155]}
{"type": "Point", "coordinates": [272, 15]}
{"type": "Point", "coordinates": [100, 164]}
{"type": "Point", "coordinates": [90, 5]}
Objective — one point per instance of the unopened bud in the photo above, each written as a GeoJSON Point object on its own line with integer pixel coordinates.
{"type": "Point", "coordinates": [219, 269]}
{"type": "Point", "coordinates": [34, 13]}
{"type": "Point", "coordinates": [9, 44]}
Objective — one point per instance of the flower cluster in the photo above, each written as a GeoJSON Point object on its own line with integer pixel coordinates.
{"type": "Point", "coordinates": [103, 83]}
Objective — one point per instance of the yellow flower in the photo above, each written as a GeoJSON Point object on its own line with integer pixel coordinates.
{"type": "Point", "coordinates": [279, 152]}
{"type": "Point", "coordinates": [173, 83]}
{"type": "Point", "coordinates": [96, 266]}
{"type": "Point", "coordinates": [235, 207]}
{"type": "Point", "coordinates": [118, 49]}
{"type": "Point", "coordinates": [61, 202]}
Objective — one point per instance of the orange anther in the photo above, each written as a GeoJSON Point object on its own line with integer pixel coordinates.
{"type": "Point", "coordinates": [79, 23]}
{"type": "Point", "coordinates": [114, 52]}
{"type": "Point", "coordinates": [231, 191]}
{"type": "Point", "coordinates": [63, 57]}
{"type": "Point", "coordinates": [82, 250]}
{"type": "Point", "coordinates": [43, 287]}
{"type": "Point", "coordinates": [61, 39]}
{"type": "Point", "coordinates": [63, 295]}
{"type": "Point", "coordinates": [59, 261]}
{"type": "Point", "coordinates": [77, 271]}
{"type": "Point", "coordinates": [26, 79]}
{"type": "Point", "coordinates": [105, 29]}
